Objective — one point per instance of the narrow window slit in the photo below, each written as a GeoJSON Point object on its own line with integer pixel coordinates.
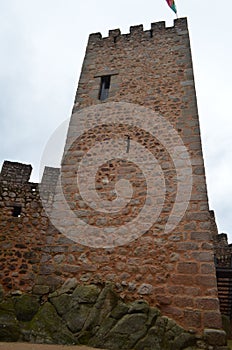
{"type": "Point", "coordinates": [105, 87]}
{"type": "Point", "coordinates": [128, 144]}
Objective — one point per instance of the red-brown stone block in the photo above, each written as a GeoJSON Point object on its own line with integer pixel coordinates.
{"type": "Point", "coordinates": [212, 319]}
{"type": "Point", "coordinates": [187, 268]}
{"type": "Point", "coordinates": [192, 318]}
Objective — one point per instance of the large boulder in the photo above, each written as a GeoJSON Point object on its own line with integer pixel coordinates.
{"type": "Point", "coordinates": [48, 327]}
{"type": "Point", "coordinates": [9, 325]}
{"type": "Point", "coordinates": [26, 306]}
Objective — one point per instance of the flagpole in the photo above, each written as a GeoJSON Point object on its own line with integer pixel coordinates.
{"type": "Point", "coordinates": [176, 13]}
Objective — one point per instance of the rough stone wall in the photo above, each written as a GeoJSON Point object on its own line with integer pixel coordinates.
{"type": "Point", "coordinates": [223, 251]}
{"type": "Point", "coordinates": [23, 233]}
{"type": "Point", "coordinates": [94, 315]}
{"type": "Point", "coordinates": [174, 271]}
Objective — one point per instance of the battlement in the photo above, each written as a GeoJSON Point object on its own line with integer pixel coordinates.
{"type": "Point", "coordinates": [14, 172]}
{"type": "Point", "coordinates": [50, 177]}
{"type": "Point", "coordinates": [18, 174]}
{"type": "Point", "coordinates": [180, 27]}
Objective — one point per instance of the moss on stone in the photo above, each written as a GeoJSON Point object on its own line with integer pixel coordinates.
{"type": "Point", "coordinates": [48, 327]}
{"type": "Point", "coordinates": [183, 341]}
{"type": "Point", "coordinates": [99, 318]}
{"type": "Point", "coordinates": [77, 316]}
{"type": "Point", "coordinates": [62, 303]}
{"type": "Point", "coordinates": [86, 294]}
{"type": "Point", "coordinates": [9, 325]}
{"type": "Point", "coordinates": [26, 306]}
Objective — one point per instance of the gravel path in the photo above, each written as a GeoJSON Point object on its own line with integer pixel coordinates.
{"type": "Point", "coordinates": [27, 346]}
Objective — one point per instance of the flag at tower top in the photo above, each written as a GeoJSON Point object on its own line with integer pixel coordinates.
{"type": "Point", "coordinates": [171, 3]}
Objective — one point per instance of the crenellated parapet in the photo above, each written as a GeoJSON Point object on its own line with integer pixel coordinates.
{"type": "Point", "coordinates": [18, 174]}
{"type": "Point", "coordinates": [23, 223]}
{"type": "Point", "coordinates": [179, 27]}
{"type": "Point", "coordinates": [15, 173]}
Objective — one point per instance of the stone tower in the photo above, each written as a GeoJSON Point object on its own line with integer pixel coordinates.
{"type": "Point", "coordinates": [130, 206]}
{"type": "Point", "coordinates": [135, 120]}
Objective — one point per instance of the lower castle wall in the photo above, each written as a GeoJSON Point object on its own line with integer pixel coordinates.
{"type": "Point", "coordinates": [22, 237]}
{"type": "Point", "coordinates": [36, 257]}
{"type": "Point", "coordinates": [95, 315]}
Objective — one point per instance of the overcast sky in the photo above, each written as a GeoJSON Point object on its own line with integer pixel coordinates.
{"type": "Point", "coordinates": [42, 45]}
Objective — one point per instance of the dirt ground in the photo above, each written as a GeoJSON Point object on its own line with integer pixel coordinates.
{"type": "Point", "coordinates": [26, 346]}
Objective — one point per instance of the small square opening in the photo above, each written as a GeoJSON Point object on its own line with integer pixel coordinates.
{"type": "Point", "coordinates": [16, 212]}
{"type": "Point", "coordinates": [33, 189]}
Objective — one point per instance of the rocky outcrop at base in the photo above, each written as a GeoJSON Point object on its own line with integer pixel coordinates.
{"type": "Point", "coordinates": [96, 316]}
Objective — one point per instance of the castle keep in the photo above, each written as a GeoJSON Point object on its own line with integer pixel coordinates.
{"type": "Point", "coordinates": [137, 90]}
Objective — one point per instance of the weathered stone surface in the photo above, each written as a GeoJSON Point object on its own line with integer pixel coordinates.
{"type": "Point", "coordinates": [183, 341]}
{"type": "Point", "coordinates": [77, 316]}
{"type": "Point", "coordinates": [86, 294]}
{"type": "Point", "coordinates": [172, 332]}
{"type": "Point", "coordinates": [145, 289]}
{"type": "Point", "coordinates": [9, 325]}
{"type": "Point", "coordinates": [161, 336]}
{"type": "Point", "coordinates": [153, 314]}
{"type": "Point", "coordinates": [101, 332]}
{"type": "Point", "coordinates": [62, 303]}
{"type": "Point", "coordinates": [48, 327]}
{"type": "Point", "coordinates": [105, 303]}
{"type": "Point", "coordinates": [68, 286]}
{"type": "Point", "coordinates": [120, 310]}
{"type": "Point", "coordinates": [130, 323]}
{"type": "Point", "coordinates": [9, 328]}
{"type": "Point", "coordinates": [153, 340]}
{"type": "Point", "coordinates": [215, 337]}
{"type": "Point", "coordinates": [139, 306]}
{"type": "Point", "coordinates": [41, 289]}
{"type": "Point", "coordinates": [126, 332]}
{"type": "Point", "coordinates": [106, 323]}
{"type": "Point", "coordinates": [26, 306]}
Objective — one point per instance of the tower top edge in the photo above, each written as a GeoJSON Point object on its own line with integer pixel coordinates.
{"type": "Point", "coordinates": [180, 24]}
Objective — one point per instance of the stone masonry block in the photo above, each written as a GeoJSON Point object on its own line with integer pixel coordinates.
{"type": "Point", "coordinates": [215, 337]}
{"type": "Point", "coordinates": [212, 319]}
{"type": "Point", "coordinates": [201, 236]}
{"type": "Point", "coordinates": [182, 279]}
{"type": "Point", "coordinates": [203, 256]}
{"type": "Point", "coordinates": [207, 303]}
{"type": "Point", "coordinates": [192, 318]}
{"type": "Point", "coordinates": [208, 281]}
{"type": "Point", "coordinates": [187, 267]}
{"type": "Point", "coordinates": [207, 269]}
